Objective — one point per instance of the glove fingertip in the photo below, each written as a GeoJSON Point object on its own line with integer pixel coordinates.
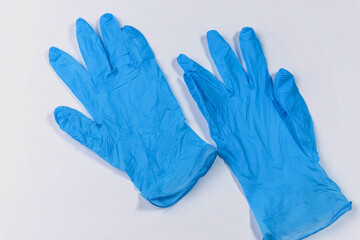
{"type": "Point", "coordinates": [284, 81]}
{"type": "Point", "coordinates": [54, 54]}
{"type": "Point", "coordinates": [186, 63]}
{"type": "Point", "coordinates": [218, 47]}
{"type": "Point", "coordinates": [61, 115]}
{"type": "Point", "coordinates": [107, 17]}
{"type": "Point", "coordinates": [212, 35]}
{"type": "Point", "coordinates": [284, 72]}
{"type": "Point", "coordinates": [181, 58]}
{"type": "Point", "coordinates": [247, 33]}
{"type": "Point", "coordinates": [81, 23]}
{"type": "Point", "coordinates": [131, 31]}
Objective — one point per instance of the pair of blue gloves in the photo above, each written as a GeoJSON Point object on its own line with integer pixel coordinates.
{"type": "Point", "coordinates": [262, 128]}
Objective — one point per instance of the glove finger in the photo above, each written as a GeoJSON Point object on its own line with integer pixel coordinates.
{"type": "Point", "coordinates": [290, 99]}
{"type": "Point", "coordinates": [92, 50]}
{"type": "Point", "coordinates": [208, 92]}
{"type": "Point", "coordinates": [210, 109]}
{"type": "Point", "coordinates": [137, 45]}
{"type": "Point", "coordinates": [226, 61]}
{"type": "Point", "coordinates": [197, 96]}
{"type": "Point", "coordinates": [254, 59]}
{"type": "Point", "coordinates": [83, 130]}
{"type": "Point", "coordinates": [114, 41]}
{"type": "Point", "coordinates": [75, 77]}
{"type": "Point", "coordinates": [211, 83]}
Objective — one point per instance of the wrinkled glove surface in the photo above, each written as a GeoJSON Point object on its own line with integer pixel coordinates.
{"type": "Point", "coordinates": [137, 124]}
{"type": "Point", "coordinates": [264, 132]}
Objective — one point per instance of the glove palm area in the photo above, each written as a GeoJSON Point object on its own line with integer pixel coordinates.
{"type": "Point", "coordinates": [137, 124]}
{"type": "Point", "coordinates": [264, 132]}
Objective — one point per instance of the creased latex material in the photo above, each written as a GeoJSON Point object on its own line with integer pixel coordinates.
{"type": "Point", "coordinates": [264, 132]}
{"type": "Point", "coordinates": [137, 124]}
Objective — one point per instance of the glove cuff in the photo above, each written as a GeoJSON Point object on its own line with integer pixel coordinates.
{"type": "Point", "coordinates": [306, 219]}
{"type": "Point", "coordinates": [173, 192]}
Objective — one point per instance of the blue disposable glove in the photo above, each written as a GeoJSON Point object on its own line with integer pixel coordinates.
{"type": "Point", "coordinates": [264, 132]}
{"type": "Point", "coordinates": [137, 124]}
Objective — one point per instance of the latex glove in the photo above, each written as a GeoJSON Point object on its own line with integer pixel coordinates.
{"type": "Point", "coordinates": [137, 124]}
{"type": "Point", "coordinates": [264, 132]}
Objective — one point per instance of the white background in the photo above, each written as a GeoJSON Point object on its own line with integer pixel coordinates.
{"type": "Point", "coordinates": [51, 187]}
